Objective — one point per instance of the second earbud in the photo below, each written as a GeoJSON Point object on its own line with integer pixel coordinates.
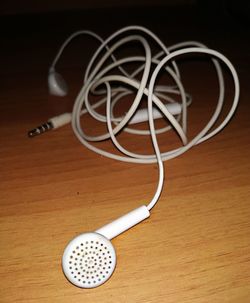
{"type": "Point", "coordinates": [56, 83]}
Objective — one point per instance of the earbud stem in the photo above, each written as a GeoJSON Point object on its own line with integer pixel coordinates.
{"type": "Point", "coordinates": [123, 223]}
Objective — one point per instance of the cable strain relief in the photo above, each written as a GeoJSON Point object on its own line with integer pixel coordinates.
{"type": "Point", "coordinates": [123, 223]}
{"type": "Point", "coordinates": [61, 120]}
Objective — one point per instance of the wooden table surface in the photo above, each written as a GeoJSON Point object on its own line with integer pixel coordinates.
{"type": "Point", "coordinates": [195, 247]}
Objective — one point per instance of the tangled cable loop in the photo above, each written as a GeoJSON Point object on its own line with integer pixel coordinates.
{"type": "Point", "coordinates": [99, 74]}
{"type": "Point", "coordinates": [107, 77]}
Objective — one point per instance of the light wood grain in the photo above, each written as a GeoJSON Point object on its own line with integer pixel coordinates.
{"type": "Point", "coordinates": [194, 248]}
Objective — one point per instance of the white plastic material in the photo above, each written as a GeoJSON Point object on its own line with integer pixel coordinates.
{"type": "Point", "coordinates": [89, 260]}
{"type": "Point", "coordinates": [142, 114]}
{"type": "Point", "coordinates": [57, 85]}
{"type": "Point", "coordinates": [60, 120]}
{"type": "Point", "coordinates": [123, 223]}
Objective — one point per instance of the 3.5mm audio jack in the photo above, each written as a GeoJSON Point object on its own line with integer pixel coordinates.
{"type": "Point", "coordinates": [52, 123]}
{"type": "Point", "coordinates": [40, 129]}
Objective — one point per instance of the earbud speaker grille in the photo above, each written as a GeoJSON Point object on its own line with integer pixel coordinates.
{"type": "Point", "coordinates": [89, 260]}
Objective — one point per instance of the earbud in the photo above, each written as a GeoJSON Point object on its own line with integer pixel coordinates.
{"type": "Point", "coordinates": [56, 83]}
{"type": "Point", "coordinates": [90, 259]}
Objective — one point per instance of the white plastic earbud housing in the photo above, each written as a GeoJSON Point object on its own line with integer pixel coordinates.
{"type": "Point", "coordinates": [56, 83]}
{"type": "Point", "coordinates": [89, 260]}
{"type": "Point", "coordinates": [125, 222]}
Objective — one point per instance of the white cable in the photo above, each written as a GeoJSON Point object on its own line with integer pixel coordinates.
{"type": "Point", "coordinates": [112, 82]}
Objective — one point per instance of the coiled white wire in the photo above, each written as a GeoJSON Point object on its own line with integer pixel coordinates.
{"type": "Point", "coordinates": [100, 73]}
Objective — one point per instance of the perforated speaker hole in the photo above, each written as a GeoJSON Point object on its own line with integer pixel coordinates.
{"type": "Point", "coordinates": [89, 260]}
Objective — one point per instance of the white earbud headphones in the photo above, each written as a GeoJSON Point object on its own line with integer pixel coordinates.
{"type": "Point", "coordinates": [56, 83]}
{"type": "Point", "coordinates": [89, 260]}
